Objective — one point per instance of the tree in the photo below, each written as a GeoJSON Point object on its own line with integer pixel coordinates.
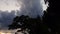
{"type": "Point", "coordinates": [31, 25]}
{"type": "Point", "coordinates": [52, 16]}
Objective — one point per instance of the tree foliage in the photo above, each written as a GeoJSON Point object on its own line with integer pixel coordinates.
{"type": "Point", "coordinates": [26, 23]}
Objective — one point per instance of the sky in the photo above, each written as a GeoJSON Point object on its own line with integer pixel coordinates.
{"type": "Point", "coordinates": [12, 8]}
{"type": "Point", "coordinates": [9, 5]}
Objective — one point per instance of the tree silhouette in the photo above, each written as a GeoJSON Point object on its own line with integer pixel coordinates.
{"type": "Point", "coordinates": [25, 22]}
{"type": "Point", "coordinates": [52, 17]}
{"type": "Point", "coordinates": [32, 25]}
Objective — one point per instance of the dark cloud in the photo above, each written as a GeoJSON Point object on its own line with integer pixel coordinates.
{"type": "Point", "coordinates": [6, 18]}
{"type": "Point", "coordinates": [31, 8]}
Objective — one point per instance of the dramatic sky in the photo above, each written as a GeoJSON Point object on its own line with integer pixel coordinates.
{"type": "Point", "coordinates": [11, 8]}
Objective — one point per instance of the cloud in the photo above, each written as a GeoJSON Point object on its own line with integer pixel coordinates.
{"type": "Point", "coordinates": [6, 18]}
{"type": "Point", "coordinates": [9, 5]}
{"type": "Point", "coordinates": [32, 8]}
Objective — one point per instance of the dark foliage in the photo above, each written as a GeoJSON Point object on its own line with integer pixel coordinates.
{"type": "Point", "coordinates": [25, 22]}
{"type": "Point", "coordinates": [52, 17]}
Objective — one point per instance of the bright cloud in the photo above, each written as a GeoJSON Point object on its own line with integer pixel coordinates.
{"type": "Point", "coordinates": [9, 5]}
{"type": "Point", "coordinates": [44, 6]}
